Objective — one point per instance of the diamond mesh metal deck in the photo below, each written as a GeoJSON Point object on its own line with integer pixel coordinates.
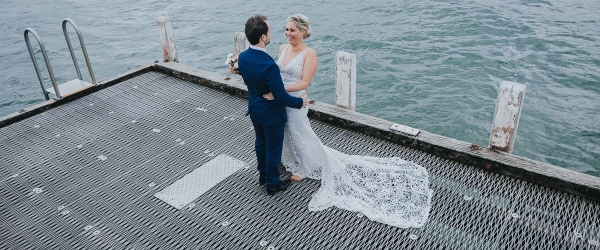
{"type": "Point", "coordinates": [83, 175]}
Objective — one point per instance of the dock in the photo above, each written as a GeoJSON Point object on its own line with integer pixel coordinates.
{"type": "Point", "coordinates": [83, 172]}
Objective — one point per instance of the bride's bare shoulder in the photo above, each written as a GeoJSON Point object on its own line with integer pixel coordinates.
{"type": "Point", "coordinates": [311, 52]}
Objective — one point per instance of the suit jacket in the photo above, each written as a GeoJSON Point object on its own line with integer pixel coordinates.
{"type": "Point", "coordinates": [261, 75]}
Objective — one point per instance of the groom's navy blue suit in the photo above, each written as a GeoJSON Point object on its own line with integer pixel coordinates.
{"type": "Point", "coordinates": [261, 75]}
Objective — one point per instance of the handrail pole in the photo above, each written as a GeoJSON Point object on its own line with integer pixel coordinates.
{"type": "Point", "coordinates": [85, 55]}
{"type": "Point", "coordinates": [35, 65]}
{"type": "Point", "coordinates": [46, 60]}
{"type": "Point", "coordinates": [64, 27]}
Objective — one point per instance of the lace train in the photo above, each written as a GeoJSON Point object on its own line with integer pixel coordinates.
{"type": "Point", "coordinates": [387, 190]}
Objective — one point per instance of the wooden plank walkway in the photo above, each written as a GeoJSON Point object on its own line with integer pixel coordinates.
{"type": "Point", "coordinates": [82, 173]}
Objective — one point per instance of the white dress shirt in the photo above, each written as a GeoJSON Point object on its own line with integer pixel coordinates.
{"type": "Point", "coordinates": [258, 48]}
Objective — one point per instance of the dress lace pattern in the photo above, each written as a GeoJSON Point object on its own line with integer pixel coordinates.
{"type": "Point", "coordinates": [387, 190]}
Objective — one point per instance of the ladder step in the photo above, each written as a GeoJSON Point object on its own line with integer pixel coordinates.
{"type": "Point", "coordinates": [71, 87]}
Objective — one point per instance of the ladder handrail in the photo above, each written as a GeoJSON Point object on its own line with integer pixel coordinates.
{"type": "Point", "coordinates": [87, 59]}
{"type": "Point", "coordinates": [35, 65]}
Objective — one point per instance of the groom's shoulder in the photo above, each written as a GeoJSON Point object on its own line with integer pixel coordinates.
{"type": "Point", "coordinates": [246, 52]}
{"type": "Point", "coordinates": [256, 55]}
{"type": "Point", "coordinates": [251, 52]}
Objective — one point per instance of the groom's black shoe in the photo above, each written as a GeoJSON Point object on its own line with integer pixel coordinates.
{"type": "Point", "coordinates": [282, 186]}
{"type": "Point", "coordinates": [262, 182]}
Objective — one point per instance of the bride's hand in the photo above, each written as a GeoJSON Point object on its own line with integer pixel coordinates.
{"type": "Point", "coordinates": [269, 96]}
{"type": "Point", "coordinates": [234, 71]}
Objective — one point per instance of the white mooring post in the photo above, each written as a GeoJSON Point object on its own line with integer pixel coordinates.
{"type": "Point", "coordinates": [506, 118]}
{"type": "Point", "coordinates": [345, 80]}
{"type": "Point", "coordinates": [167, 40]}
{"type": "Point", "coordinates": [240, 43]}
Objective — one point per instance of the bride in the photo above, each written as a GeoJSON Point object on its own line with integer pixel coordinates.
{"type": "Point", "coordinates": [387, 190]}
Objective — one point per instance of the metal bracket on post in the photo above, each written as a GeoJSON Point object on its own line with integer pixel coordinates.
{"type": "Point", "coordinates": [506, 117]}
{"type": "Point", "coordinates": [167, 40]}
{"type": "Point", "coordinates": [345, 80]}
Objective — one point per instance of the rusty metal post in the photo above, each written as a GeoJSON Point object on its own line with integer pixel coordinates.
{"type": "Point", "coordinates": [345, 80]}
{"type": "Point", "coordinates": [506, 117]}
{"type": "Point", "coordinates": [240, 43]}
{"type": "Point", "coordinates": [167, 40]}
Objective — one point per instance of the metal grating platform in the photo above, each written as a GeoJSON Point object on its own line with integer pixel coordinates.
{"type": "Point", "coordinates": [83, 176]}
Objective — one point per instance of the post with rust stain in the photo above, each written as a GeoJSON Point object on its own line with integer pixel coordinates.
{"type": "Point", "coordinates": [167, 40]}
{"type": "Point", "coordinates": [506, 118]}
{"type": "Point", "coordinates": [345, 80]}
{"type": "Point", "coordinates": [240, 43]}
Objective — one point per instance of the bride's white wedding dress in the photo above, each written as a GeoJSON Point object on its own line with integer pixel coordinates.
{"type": "Point", "coordinates": [387, 190]}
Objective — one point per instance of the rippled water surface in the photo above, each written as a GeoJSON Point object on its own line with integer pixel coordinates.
{"type": "Point", "coordinates": [432, 65]}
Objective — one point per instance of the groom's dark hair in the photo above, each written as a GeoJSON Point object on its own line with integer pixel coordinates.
{"type": "Point", "coordinates": [255, 28]}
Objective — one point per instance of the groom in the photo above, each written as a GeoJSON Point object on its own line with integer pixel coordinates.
{"type": "Point", "coordinates": [261, 75]}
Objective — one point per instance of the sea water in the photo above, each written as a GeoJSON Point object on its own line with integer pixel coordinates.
{"type": "Point", "coordinates": [431, 65]}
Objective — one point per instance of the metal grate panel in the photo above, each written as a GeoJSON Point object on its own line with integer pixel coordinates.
{"type": "Point", "coordinates": [196, 183]}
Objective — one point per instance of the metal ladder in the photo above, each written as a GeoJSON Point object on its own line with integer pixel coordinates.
{"type": "Point", "coordinates": [69, 87]}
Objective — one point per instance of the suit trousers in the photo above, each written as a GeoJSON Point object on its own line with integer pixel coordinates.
{"type": "Point", "coordinates": [268, 146]}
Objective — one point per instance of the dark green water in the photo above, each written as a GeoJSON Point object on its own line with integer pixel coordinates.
{"type": "Point", "coordinates": [432, 65]}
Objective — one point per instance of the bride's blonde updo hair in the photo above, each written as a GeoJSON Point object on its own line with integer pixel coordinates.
{"type": "Point", "coordinates": [302, 23]}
